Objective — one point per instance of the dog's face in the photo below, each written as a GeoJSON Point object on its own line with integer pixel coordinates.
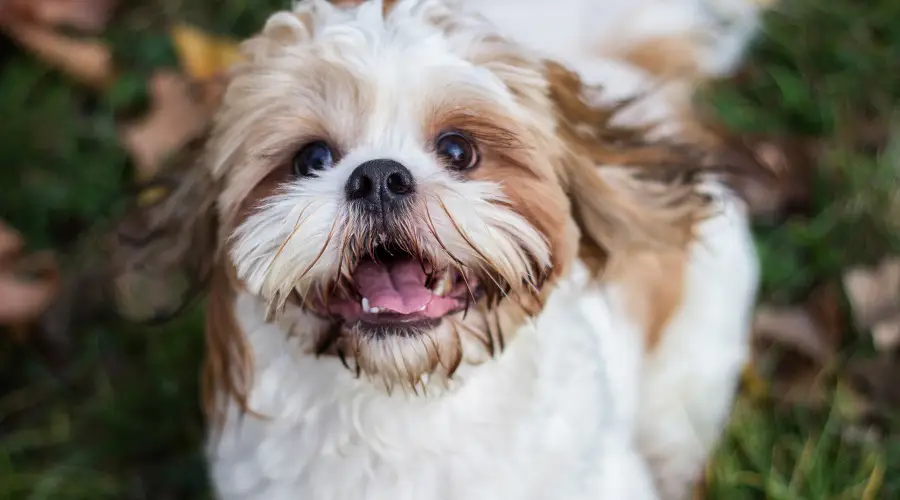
{"type": "Point", "coordinates": [399, 185]}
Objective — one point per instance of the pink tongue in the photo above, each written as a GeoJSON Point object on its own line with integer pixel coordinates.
{"type": "Point", "coordinates": [396, 286]}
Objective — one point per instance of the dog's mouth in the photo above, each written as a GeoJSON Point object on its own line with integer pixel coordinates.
{"type": "Point", "coordinates": [391, 287]}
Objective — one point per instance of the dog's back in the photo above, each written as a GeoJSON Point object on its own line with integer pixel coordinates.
{"type": "Point", "coordinates": [710, 34]}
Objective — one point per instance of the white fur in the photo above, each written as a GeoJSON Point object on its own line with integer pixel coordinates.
{"type": "Point", "coordinates": [573, 409]}
{"type": "Point", "coordinates": [689, 380]}
{"type": "Point", "coordinates": [553, 417]}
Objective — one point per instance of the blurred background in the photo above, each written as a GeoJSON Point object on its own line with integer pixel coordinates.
{"type": "Point", "coordinates": [103, 104]}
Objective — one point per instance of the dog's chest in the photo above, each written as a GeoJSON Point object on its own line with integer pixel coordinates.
{"type": "Point", "coordinates": [527, 425]}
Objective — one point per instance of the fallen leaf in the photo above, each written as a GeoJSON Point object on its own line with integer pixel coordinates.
{"type": "Point", "coordinates": [874, 296]}
{"type": "Point", "coordinates": [877, 379]}
{"type": "Point", "coordinates": [795, 346]}
{"type": "Point", "coordinates": [27, 285]}
{"type": "Point", "coordinates": [775, 173]}
{"type": "Point", "coordinates": [10, 243]}
{"type": "Point", "coordinates": [203, 56]}
{"type": "Point", "coordinates": [175, 118]}
{"type": "Point", "coordinates": [793, 327]}
{"type": "Point", "coordinates": [886, 334]}
{"type": "Point", "coordinates": [85, 15]}
{"type": "Point", "coordinates": [87, 61]}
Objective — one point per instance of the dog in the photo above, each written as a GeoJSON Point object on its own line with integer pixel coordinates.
{"type": "Point", "coordinates": [475, 249]}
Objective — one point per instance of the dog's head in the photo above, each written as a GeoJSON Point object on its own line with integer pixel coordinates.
{"type": "Point", "coordinates": [402, 188]}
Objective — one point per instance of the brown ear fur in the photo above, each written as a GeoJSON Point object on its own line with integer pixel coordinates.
{"type": "Point", "coordinates": [227, 362]}
{"type": "Point", "coordinates": [168, 237]}
{"type": "Point", "coordinates": [173, 233]}
{"type": "Point", "coordinates": [627, 193]}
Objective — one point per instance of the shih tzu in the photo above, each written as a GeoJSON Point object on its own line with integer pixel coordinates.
{"type": "Point", "coordinates": [475, 249]}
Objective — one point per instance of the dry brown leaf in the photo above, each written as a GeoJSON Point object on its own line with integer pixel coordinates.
{"type": "Point", "coordinates": [23, 299]}
{"type": "Point", "coordinates": [877, 379]}
{"type": "Point", "coordinates": [874, 296]}
{"type": "Point", "coordinates": [175, 118]}
{"type": "Point", "coordinates": [85, 15]}
{"type": "Point", "coordinates": [795, 346]}
{"type": "Point", "coordinates": [814, 329]}
{"type": "Point", "coordinates": [790, 161]}
{"type": "Point", "coordinates": [203, 56]}
{"type": "Point", "coordinates": [886, 334]}
{"type": "Point", "coordinates": [87, 61]}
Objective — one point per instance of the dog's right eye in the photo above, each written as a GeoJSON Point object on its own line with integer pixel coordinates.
{"type": "Point", "coordinates": [311, 158]}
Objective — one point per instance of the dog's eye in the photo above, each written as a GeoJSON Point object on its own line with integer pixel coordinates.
{"type": "Point", "coordinates": [312, 157]}
{"type": "Point", "coordinates": [457, 150]}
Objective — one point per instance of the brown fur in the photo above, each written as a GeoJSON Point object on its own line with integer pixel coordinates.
{"type": "Point", "coordinates": [635, 233]}
{"type": "Point", "coordinates": [650, 203]}
{"type": "Point", "coordinates": [510, 158]}
{"type": "Point", "coordinates": [227, 361]}
{"type": "Point", "coordinates": [665, 57]}
{"type": "Point", "coordinates": [654, 287]}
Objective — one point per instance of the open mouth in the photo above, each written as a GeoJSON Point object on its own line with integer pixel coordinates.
{"type": "Point", "coordinates": [393, 288]}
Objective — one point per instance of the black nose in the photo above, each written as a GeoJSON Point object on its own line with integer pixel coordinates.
{"type": "Point", "coordinates": [379, 183]}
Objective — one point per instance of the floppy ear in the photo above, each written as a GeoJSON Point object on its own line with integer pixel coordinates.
{"type": "Point", "coordinates": [627, 193]}
{"type": "Point", "coordinates": [164, 247]}
{"type": "Point", "coordinates": [168, 250]}
{"type": "Point", "coordinates": [227, 364]}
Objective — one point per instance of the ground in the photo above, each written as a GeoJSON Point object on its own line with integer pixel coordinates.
{"type": "Point", "coordinates": [117, 415]}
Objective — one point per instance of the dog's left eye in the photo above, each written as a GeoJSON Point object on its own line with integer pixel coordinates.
{"type": "Point", "coordinates": [311, 158]}
{"type": "Point", "coordinates": [457, 150]}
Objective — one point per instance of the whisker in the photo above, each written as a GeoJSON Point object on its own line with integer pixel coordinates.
{"type": "Point", "coordinates": [287, 240]}
{"type": "Point", "coordinates": [478, 335]}
{"type": "Point", "coordinates": [340, 270]}
{"type": "Point", "coordinates": [471, 245]}
{"type": "Point", "coordinates": [461, 267]}
{"type": "Point", "coordinates": [409, 372]}
{"type": "Point", "coordinates": [425, 347]}
{"type": "Point", "coordinates": [321, 252]}
{"type": "Point", "coordinates": [437, 238]}
{"type": "Point", "coordinates": [437, 352]}
{"type": "Point", "coordinates": [454, 364]}
{"type": "Point", "coordinates": [326, 341]}
{"type": "Point", "coordinates": [340, 354]}
{"type": "Point", "coordinates": [469, 293]}
{"type": "Point", "coordinates": [500, 332]}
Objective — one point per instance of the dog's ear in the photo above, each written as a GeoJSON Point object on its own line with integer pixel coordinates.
{"type": "Point", "coordinates": [627, 193]}
{"type": "Point", "coordinates": [227, 364]}
{"type": "Point", "coordinates": [282, 30]}
{"type": "Point", "coordinates": [165, 246]}
{"type": "Point", "coordinates": [167, 250]}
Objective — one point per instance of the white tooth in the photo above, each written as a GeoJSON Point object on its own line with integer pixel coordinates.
{"type": "Point", "coordinates": [365, 304]}
{"type": "Point", "coordinates": [374, 310]}
{"type": "Point", "coordinates": [444, 284]}
{"type": "Point", "coordinates": [423, 307]}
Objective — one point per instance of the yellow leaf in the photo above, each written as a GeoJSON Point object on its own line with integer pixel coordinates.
{"type": "Point", "coordinates": [203, 55]}
{"type": "Point", "coordinates": [754, 385]}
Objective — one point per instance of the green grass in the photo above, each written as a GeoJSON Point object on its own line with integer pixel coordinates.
{"type": "Point", "coordinates": [116, 416]}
